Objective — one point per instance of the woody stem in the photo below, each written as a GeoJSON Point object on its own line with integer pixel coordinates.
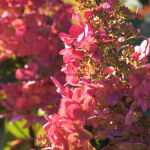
{"type": "Point", "coordinates": [32, 137]}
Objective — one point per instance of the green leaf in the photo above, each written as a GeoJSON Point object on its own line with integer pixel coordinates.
{"type": "Point", "coordinates": [17, 129]}
{"type": "Point", "coordinates": [38, 129]}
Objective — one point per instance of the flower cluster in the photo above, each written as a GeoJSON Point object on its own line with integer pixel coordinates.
{"type": "Point", "coordinates": [106, 95]}
{"type": "Point", "coordinates": [29, 30]}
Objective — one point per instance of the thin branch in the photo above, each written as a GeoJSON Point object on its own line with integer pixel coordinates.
{"type": "Point", "coordinates": [32, 137]}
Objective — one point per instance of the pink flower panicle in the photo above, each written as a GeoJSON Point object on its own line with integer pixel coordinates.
{"type": "Point", "coordinates": [29, 33]}
{"type": "Point", "coordinates": [107, 82]}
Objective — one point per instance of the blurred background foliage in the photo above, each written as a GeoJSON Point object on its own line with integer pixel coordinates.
{"type": "Point", "coordinates": [13, 136]}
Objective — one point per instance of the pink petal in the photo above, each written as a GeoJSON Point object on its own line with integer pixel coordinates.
{"type": "Point", "coordinates": [57, 84]}
{"type": "Point", "coordinates": [88, 14]}
{"type": "Point", "coordinates": [112, 98]}
{"type": "Point", "coordinates": [17, 118]}
{"type": "Point", "coordinates": [92, 47]}
{"type": "Point", "coordinates": [75, 112]}
{"type": "Point", "coordinates": [79, 19]}
{"type": "Point", "coordinates": [135, 55]}
{"type": "Point", "coordinates": [46, 127]}
{"type": "Point", "coordinates": [109, 70]}
{"type": "Point", "coordinates": [80, 37]}
{"type": "Point", "coordinates": [73, 138]}
{"type": "Point", "coordinates": [137, 49]}
{"type": "Point", "coordinates": [113, 1]}
{"type": "Point", "coordinates": [86, 30]}
{"type": "Point", "coordinates": [22, 73]}
{"type": "Point", "coordinates": [128, 119]}
{"type": "Point", "coordinates": [131, 117]}
{"type": "Point", "coordinates": [77, 93]}
{"type": "Point", "coordinates": [108, 7]}
{"type": "Point", "coordinates": [75, 31]}
{"type": "Point", "coordinates": [72, 79]}
{"type": "Point", "coordinates": [17, 23]}
{"type": "Point", "coordinates": [63, 36]}
{"type": "Point", "coordinates": [143, 46]}
{"type": "Point", "coordinates": [68, 125]}
{"type": "Point", "coordinates": [21, 103]}
{"type": "Point", "coordinates": [142, 56]}
{"type": "Point", "coordinates": [147, 52]}
{"type": "Point", "coordinates": [144, 106]}
{"type": "Point", "coordinates": [99, 8]}
{"type": "Point", "coordinates": [64, 51]}
{"type": "Point", "coordinates": [77, 54]}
